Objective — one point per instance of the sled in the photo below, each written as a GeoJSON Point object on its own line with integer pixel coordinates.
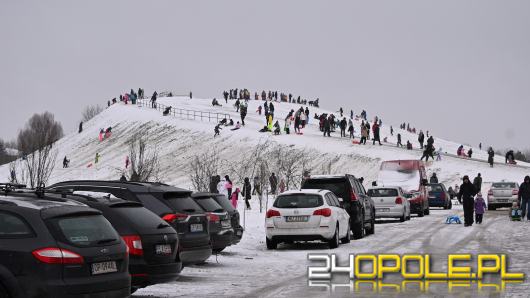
{"type": "Point", "coordinates": [89, 165]}
{"type": "Point", "coordinates": [515, 214]}
{"type": "Point", "coordinates": [299, 133]}
{"type": "Point", "coordinates": [453, 219]}
{"type": "Point", "coordinates": [355, 142]}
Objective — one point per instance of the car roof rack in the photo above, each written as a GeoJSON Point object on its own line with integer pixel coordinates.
{"type": "Point", "coordinates": [39, 191]}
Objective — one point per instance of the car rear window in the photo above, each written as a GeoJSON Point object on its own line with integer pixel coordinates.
{"type": "Point", "coordinates": [182, 202]}
{"type": "Point", "coordinates": [435, 188]}
{"type": "Point", "coordinates": [338, 186]}
{"type": "Point", "coordinates": [12, 226]}
{"type": "Point", "coordinates": [383, 192]}
{"type": "Point", "coordinates": [209, 204]}
{"type": "Point", "coordinates": [88, 230]}
{"type": "Point", "coordinates": [139, 216]}
{"type": "Point", "coordinates": [298, 201]}
{"type": "Point", "coordinates": [504, 185]}
{"type": "Point", "coordinates": [224, 202]}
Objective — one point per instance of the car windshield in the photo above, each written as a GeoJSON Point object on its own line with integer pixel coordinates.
{"type": "Point", "coordinates": [435, 188]}
{"type": "Point", "coordinates": [337, 186]}
{"type": "Point", "coordinates": [383, 192]}
{"type": "Point", "coordinates": [86, 230]}
{"type": "Point", "coordinates": [503, 185]}
{"type": "Point", "coordinates": [298, 201]}
{"type": "Point", "coordinates": [224, 202]}
{"type": "Point", "coordinates": [209, 204]}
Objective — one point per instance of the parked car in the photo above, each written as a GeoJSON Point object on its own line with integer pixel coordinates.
{"type": "Point", "coordinates": [220, 228]}
{"type": "Point", "coordinates": [502, 194]}
{"type": "Point", "coordinates": [359, 206]}
{"type": "Point", "coordinates": [439, 196]}
{"type": "Point", "coordinates": [234, 216]}
{"type": "Point", "coordinates": [390, 202]}
{"type": "Point", "coordinates": [52, 247]}
{"type": "Point", "coordinates": [411, 176]}
{"type": "Point", "coordinates": [152, 242]}
{"type": "Point", "coordinates": [307, 215]}
{"type": "Point", "coordinates": [172, 204]}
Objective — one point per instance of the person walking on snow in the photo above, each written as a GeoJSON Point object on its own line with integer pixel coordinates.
{"type": "Point", "coordinates": [399, 144]}
{"type": "Point", "coordinates": [217, 130]}
{"type": "Point", "coordinates": [491, 155]}
{"type": "Point", "coordinates": [127, 161]}
{"type": "Point", "coordinates": [377, 138]}
{"type": "Point", "coordinates": [247, 192]}
{"type": "Point", "coordinates": [234, 197]}
{"type": "Point", "coordinates": [480, 207]}
{"type": "Point", "coordinates": [273, 181]}
{"type": "Point", "coordinates": [524, 198]}
{"type": "Point", "coordinates": [477, 182]}
{"type": "Point", "coordinates": [228, 185]}
{"type": "Point", "coordinates": [96, 160]}
{"type": "Point", "coordinates": [433, 179]}
{"type": "Point", "coordinates": [421, 139]}
{"type": "Point", "coordinates": [439, 154]}
{"type": "Point", "coordinates": [343, 124]}
{"type": "Point", "coordinates": [465, 195]}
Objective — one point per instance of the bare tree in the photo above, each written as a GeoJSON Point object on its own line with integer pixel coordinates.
{"type": "Point", "coordinates": [90, 112]}
{"type": "Point", "coordinates": [203, 167]}
{"type": "Point", "coordinates": [145, 164]}
{"type": "Point", "coordinates": [35, 144]}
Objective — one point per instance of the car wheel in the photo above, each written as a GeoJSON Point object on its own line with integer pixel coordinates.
{"type": "Point", "coordinates": [427, 211]}
{"type": "Point", "coordinates": [450, 205]}
{"type": "Point", "coordinates": [133, 289]}
{"type": "Point", "coordinates": [371, 230]}
{"type": "Point", "coordinates": [358, 229]}
{"type": "Point", "coordinates": [334, 242]}
{"type": "Point", "coordinates": [403, 217]}
{"type": "Point", "coordinates": [271, 244]}
{"type": "Point", "coordinates": [218, 250]}
{"type": "Point", "coordinates": [346, 238]}
{"type": "Point", "coordinates": [421, 213]}
{"type": "Point", "coordinates": [491, 208]}
{"type": "Point", "coordinates": [3, 292]}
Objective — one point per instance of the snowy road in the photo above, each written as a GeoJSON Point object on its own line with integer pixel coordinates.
{"type": "Point", "coordinates": [249, 270]}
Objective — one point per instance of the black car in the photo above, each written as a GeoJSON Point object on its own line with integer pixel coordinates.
{"type": "Point", "coordinates": [52, 247]}
{"type": "Point", "coordinates": [221, 231]}
{"type": "Point", "coordinates": [152, 242]}
{"type": "Point", "coordinates": [172, 204]}
{"type": "Point", "coordinates": [234, 215]}
{"type": "Point", "coordinates": [359, 205]}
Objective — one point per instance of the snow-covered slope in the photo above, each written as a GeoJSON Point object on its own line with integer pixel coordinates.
{"type": "Point", "coordinates": [178, 140]}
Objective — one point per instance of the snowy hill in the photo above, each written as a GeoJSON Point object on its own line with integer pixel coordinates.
{"type": "Point", "coordinates": [178, 140]}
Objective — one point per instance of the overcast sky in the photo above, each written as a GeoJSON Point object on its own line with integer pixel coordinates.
{"type": "Point", "coordinates": [458, 68]}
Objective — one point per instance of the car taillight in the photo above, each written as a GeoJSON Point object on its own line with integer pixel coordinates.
{"type": "Point", "coordinates": [213, 217]}
{"type": "Point", "coordinates": [326, 212]}
{"type": "Point", "coordinates": [53, 255]}
{"type": "Point", "coordinates": [134, 243]}
{"type": "Point", "coordinates": [273, 213]}
{"type": "Point", "coordinates": [515, 192]}
{"type": "Point", "coordinates": [399, 200]}
{"type": "Point", "coordinates": [172, 217]}
{"type": "Point", "coordinates": [490, 193]}
{"type": "Point", "coordinates": [353, 197]}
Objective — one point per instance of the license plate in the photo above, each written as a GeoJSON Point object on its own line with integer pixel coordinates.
{"type": "Point", "coordinates": [196, 228]}
{"type": "Point", "coordinates": [297, 218]}
{"type": "Point", "coordinates": [382, 209]}
{"type": "Point", "coordinates": [432, 198]}
{"type": "Point", "coordinates": [104, 267]}
{"type": "Point", "coordinates": [163, 249]}
{"type": "Point", "coordinates": [226, 224]}
{"type": "Point", "coordinates": [502, 200]}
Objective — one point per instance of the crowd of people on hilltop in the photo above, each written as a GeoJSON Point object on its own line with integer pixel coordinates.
{"type": "Point", "coordinates": [245, 94]}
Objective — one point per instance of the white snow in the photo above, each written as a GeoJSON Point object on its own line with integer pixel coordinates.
{"type": "Point", "coordinates": [248, 269]}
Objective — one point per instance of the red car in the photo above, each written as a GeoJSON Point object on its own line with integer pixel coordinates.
{"type": "Point", "coordinates": [411, 176]}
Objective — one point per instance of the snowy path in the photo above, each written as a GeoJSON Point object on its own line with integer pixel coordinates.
{"type": "Point", "coordinates": [249, 270]}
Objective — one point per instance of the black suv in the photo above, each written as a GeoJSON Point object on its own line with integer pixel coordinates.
{"type": "Point", "coordinates": [234, 215]}
{"type": "Point", "coordinates": [221, 231]}
{"type": "Point", "coordinates": [152, 242]}
{"type": "Point", "coordinates": [52, 247]}
{"type": "Point", "coordinates": [359, 205]}
{"type": "Point", "coordinates": [173, 204]}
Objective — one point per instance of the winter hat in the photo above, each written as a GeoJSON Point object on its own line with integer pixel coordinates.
{"type": "Point", "coordinates": [479, 195]}
{"type": "Point", "coordinates": [527, 178]}
{"type": "Point", "coordinates": [465, 177]}
{"type": "Point", "coordinates": [237, 190]}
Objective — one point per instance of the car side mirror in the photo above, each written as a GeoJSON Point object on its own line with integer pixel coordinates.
{"type": "Point", "coordinates": [424, 182]}
{"type": "Point", "coordinates": [374, 183]}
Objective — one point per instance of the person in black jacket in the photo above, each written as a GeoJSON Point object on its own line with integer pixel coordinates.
{"type": "Point", "coordinates": [247, 192]}
{"type": "Point", "coordinates": [421, 139]}
{"type": "Point", "coordinates": [466, 196]}
{"type": "Point", "coordinates": [433, 179]}
{"type": "Point", "coordinates": [491, 154]}
{"type": "Point", "coordinates": [524, 197]}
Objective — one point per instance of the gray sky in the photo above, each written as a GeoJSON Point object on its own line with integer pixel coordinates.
{"type": "Point", "coordinates": [458, 68]}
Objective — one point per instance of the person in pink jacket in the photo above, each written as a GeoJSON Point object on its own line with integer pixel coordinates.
{"type": "Point", "coordinates": [234, 198]}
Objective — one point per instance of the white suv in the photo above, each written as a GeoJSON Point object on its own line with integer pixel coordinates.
{"type": "Point", "coordinates": [307, 215]}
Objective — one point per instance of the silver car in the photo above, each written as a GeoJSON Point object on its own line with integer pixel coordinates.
{"type": "Point", "coordinates": [390, 202]}
{"type": "Point", "coordinates": [502, 194]}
